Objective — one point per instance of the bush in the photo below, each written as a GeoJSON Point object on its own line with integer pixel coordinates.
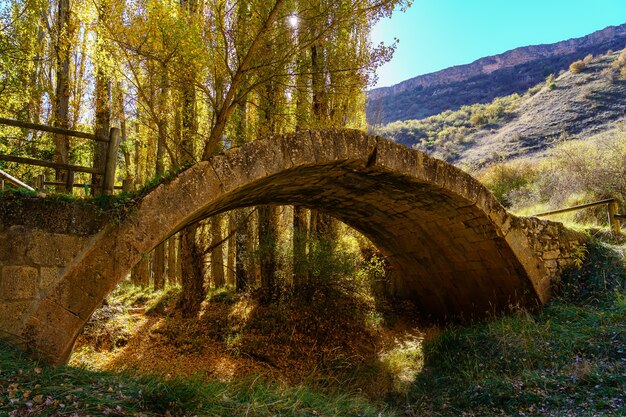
{"type": "Point", "coordinates": [577, 67]}
{"type": "Point", "coordinates": [550, 83]}
{"type": "Point", "coordinates": [479, 119]}
{"type": "Point", "coordinates": [574, 172]}
{"type": "Point", "coordinates": [504, 178]}
{"type": "Point", "coordinates": [621, 59]}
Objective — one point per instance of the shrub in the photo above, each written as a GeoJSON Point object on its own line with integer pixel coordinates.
{"type": "Point", "coordinates": [504, 178]}
{"type": "Point", "coordinates": [550, 83]}
{"type": "Point", "coordinates": [479, 119]}
{"type": "Point", "coordinates": [494, 111]}
{"type": "Point", "coordinates": [621, 59]}
{"type": "Point", "coordinates": [534, 90]}
{"type": "Point", "coordinates": [608, 74]}
{"type": "Point", "coordinates": [574, 172]}
{"type": "Point", "coordinates": [587, 60]}
{"type": "Point", "coordinates": [577, 67]}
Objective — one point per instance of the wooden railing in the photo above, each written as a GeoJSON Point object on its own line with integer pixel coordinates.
{"type": "Point", "coordinates": [107, 172]}
{"type": "Point", "coordinates": [613, 215]}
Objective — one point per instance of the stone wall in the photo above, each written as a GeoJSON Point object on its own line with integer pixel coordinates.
{"type": "Point", "coordinates": [38, 240]}
{"type": "Point", "coordinates": [545, 248]}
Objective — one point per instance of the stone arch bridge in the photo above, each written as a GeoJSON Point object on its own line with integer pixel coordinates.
{"type": "Point", "coordinates": [455, 249]}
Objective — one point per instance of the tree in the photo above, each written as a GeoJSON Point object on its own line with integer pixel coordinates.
{"type": "Point", "coordinates": [62, 93]}
{"type": "Point", "coordinates": [184, 80]}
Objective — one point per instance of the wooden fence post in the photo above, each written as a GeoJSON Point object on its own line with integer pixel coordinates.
{"type": "Point", "coordinates": [111, 161]}
{"type": "Point", "coordinates": [99, 161]}
{"type": "Point", "coordinates": [69, 182]}
{"type": "Point", "coordinates": [613, 220]}
{"type": "Point", "coordinates": [41, 182]}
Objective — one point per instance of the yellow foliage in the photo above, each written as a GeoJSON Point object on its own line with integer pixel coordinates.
{"type": "Point", "coordinates": [577, 66]}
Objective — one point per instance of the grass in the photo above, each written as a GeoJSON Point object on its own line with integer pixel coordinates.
{"type": "Point", "coordinates": [567, 360]}
{"type": "Point", "coordinates": [32, 389]}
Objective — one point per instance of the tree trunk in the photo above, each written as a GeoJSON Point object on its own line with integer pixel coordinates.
{"type": "Point", "coordinates": [193, 288]}
{"type": "Point", "coordinates": [300, 270]}
{"type": "Point", "coordinates": [191, 267]}
{"type": "Point", "coordinates": [162, 124]}
{"type": "Point", "coordinates": [217, 254]}
{"type": "Point", "coordinates": [251, 247]}
{"type": "Point", "coordinates": [268, 237]}
{"type": "Point", "coordinates": [242, 273]}
{"type": "Point", "coordinates": [317, 84]}
{"type": "Point", "coordinates": [103, 122]}
{"type": "Point", "coordinates": [62, 94]}
{"type": "Point", "coordinates": [172, 273]}
{"type": "Point", "coordinates": [230, 263]}
{"type": "Point", "coordinates": [118, 104]}
{"type": "Point", "coordinates": [141, 272]}
{"type": "Point", "coordinates": [158, 268]}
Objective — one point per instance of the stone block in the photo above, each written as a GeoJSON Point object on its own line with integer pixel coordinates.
{"type": "Point", "coordinates": [51, 331]}
{"type": "Point", "coordinates": [49, 249]}
{"type": "Point", "coordinates": [18, 282]}
{"type": "Point", "coordinates": [12, 316]}
{"type": "Point", "coordinates": [47, 276]}
{"type": "Point", "coordinates": [551, 254]}
{"type": "Point", "coordinates": [13, 245]}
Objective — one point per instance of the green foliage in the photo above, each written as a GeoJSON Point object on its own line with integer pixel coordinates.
{"type": "Point", "coordinates": [599, 275]}
{"type": "Point", "coordinates": [618, 66]}
{"type": "Point", "coordinates": [447, 131]}
{"type": "Point", "coordinates": [478, 119]}
{"type": "Point", "coordinates": [504, 178]}
{"type": "Point", "coordinates": [17, 193]}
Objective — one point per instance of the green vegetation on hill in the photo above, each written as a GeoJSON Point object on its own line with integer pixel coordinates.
{"type": "Point", "coordinates": [573, 172]}
{"type": "Point", "coordinates": [445, 132]}
{"type": "Point", "coordinates": [578, 104]}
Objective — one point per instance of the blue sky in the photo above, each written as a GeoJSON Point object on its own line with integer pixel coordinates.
{"type": "Point", "coordinates": [436, 34]}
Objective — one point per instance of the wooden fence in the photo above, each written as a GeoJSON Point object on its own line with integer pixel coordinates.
{"type": "Point", "coordinates": [613, 215]}
{"type": "Point", "coordinates": [106, 171]}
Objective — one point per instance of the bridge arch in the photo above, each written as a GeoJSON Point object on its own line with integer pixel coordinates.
{"type": "Point", "coordinates": [457, 249]}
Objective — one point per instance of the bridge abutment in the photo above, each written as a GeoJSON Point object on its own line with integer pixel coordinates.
{"type": "Point", "coordinates": [39, 239]}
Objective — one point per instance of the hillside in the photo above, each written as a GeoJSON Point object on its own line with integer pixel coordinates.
{"type": "Point", "coordinates": [514, 71]}
{"type": "Point", "coordinates": [571, 106]}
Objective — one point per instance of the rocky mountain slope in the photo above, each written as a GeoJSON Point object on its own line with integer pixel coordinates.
{"type": "Point", "coordinates": [514, 71]}
{"type": "Point", "coordinates": [573, 106]}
